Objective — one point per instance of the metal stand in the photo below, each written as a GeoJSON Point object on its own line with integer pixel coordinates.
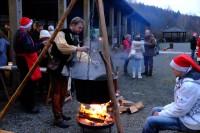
{"type": "Point", "coordinates": [83, 129]}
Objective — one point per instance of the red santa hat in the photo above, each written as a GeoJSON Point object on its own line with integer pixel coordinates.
{"type": "Point", "coordinates": [25, 22]}
{"type": "Point", "coordinates": [183, 62]}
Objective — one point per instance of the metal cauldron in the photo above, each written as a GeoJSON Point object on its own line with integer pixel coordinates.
{"type": "Point", "coordinates": [92, 91]}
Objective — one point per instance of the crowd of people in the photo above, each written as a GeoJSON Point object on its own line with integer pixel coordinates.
{"type": "Point", "coordinates": [183, 114]}
{"type": "Point", "coordinates": [138, 50]}
{"type": "Point", "coordinates": [29, 40]}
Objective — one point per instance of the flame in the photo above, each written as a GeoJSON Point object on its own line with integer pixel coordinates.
{"type": "Point", "coordinates": [96, 111]}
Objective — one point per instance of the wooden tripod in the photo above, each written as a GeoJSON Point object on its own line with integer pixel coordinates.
{"type": "Point", "coordinates": [105, 55]}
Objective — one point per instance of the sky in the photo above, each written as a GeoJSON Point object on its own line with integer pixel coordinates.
{"type": "Point", "coordinates": [190, 7]}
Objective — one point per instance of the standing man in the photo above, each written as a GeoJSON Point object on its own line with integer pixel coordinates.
{"type": "Point", "coordinates": [193, 44]}
{"type": "Point", "coordinates": [149, 45]}
{"type": "Point", "coordinates": [65, 48]}
{"type": "Point", "coordinates": [26, 55]}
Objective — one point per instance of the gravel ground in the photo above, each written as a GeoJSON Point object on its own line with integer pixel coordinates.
{"type": "Point", "coordinates": [153, 91]}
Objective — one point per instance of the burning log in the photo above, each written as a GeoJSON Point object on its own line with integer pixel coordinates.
{"type": "Point", "coordinates": [95, 114]}
{"type": "Point", "coordinates": [86, 116]}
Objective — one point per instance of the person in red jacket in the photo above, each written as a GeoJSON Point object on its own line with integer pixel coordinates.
{"type": "Point", "coordinates": [127, 46]}
{"type": "Point", "coordinates": [26, 56]}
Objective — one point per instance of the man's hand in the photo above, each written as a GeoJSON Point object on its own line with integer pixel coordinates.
{"type": "Point", "coordinates": [82, 49]}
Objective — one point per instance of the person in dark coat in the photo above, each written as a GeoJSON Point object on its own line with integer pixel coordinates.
{"type": "Point", "coordinates": [26, 55]}
{"type": "Point", "coordinates": [149, 45]}
{"type": "Point", "coordinates": [35, 31]}
{"type": "Point", "coordinates": [193, 44]}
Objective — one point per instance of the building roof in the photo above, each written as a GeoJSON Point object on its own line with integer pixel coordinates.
{"type": "Point", "coordinates": [174, 29]}
{"type": "Point", "coordinates": [127, 9]}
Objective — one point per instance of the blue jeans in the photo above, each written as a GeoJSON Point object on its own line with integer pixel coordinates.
{"type": "Point", "coordinates": [126, 64]}
{"type": "Point", "coordinates": [136, 65]}
{"type": "Point", "coordinates": [154, 124]}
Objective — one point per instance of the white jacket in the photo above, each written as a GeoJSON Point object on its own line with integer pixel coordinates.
{"type": "Point", "coordinates": [137, 49]}
{"type": "Point", "coordinates": [186, 105]}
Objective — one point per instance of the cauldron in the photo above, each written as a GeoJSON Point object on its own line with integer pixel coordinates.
{"type": "Point", "coordinates": [92, 91]}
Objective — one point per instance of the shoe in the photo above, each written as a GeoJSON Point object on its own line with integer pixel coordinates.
{"type": "Point", "coordinates": [60, 123]}
{"type": "Point", "coordinates": [66, 118]}
{"type": "Point", "coordinates": [125, 72]}
{"type": "Point", "coordinates": [133, 74]}
{"type": "Point", "coordinates": [139, 76]}
{"type": "Point", "coordinates": [144, 73]}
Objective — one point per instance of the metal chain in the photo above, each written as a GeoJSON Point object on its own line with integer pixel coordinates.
{"type": "Point", "coordinates": [91, 19]}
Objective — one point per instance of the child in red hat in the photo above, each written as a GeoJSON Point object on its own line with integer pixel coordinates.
{"type": "Point", "coordinates": [183, 114]}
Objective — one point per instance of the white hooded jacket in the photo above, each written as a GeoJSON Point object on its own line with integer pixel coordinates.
{"type": "Point", "coordinates": [186, 105]}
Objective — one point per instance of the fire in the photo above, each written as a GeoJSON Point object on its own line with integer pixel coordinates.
{"type": "Point", "coordinates": [95, 114]}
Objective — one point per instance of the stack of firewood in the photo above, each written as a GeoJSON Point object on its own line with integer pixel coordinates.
{"type": "Point", "coordinates": [4, 131]}
{"type": "Point", "coordinates": [129, 106]}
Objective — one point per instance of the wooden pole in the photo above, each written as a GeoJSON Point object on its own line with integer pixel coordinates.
{"type": "Point", "coordinates": [45, 49]}
{"type": "Point", "coordinates": [108, 65]}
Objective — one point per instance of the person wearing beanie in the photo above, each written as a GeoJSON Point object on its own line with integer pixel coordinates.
{"type": "Point", "coordinates": [183, 114]}
{"type": "Point", "coordinates": [43, 38]}
{"type": "Point", "coordinates": [44, 34]}
{"type": "Point", "coordinates": [51, 29]}
{"type": "Point", "coordinates": [65, 48]}
{"type": "Point", "coordinates": [26, 55]}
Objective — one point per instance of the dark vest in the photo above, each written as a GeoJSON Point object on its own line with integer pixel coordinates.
{"type": "Point", "coordinates": [72, 39]}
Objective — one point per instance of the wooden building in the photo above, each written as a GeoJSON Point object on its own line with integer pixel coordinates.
{"type": "Point", "coordinates": [174, 34]}
{"type": "Point", "coordinates": [121, 18]}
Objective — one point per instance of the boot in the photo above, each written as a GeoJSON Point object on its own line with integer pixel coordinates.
{"type": "Point", "coordinates": [150, 73]}
{"type": "Point", "coordinates": [66, 118]}
{"type": "Point", "coordinates": [60, 123]}
{"type": "Point", "coordinates": [145, 72]}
